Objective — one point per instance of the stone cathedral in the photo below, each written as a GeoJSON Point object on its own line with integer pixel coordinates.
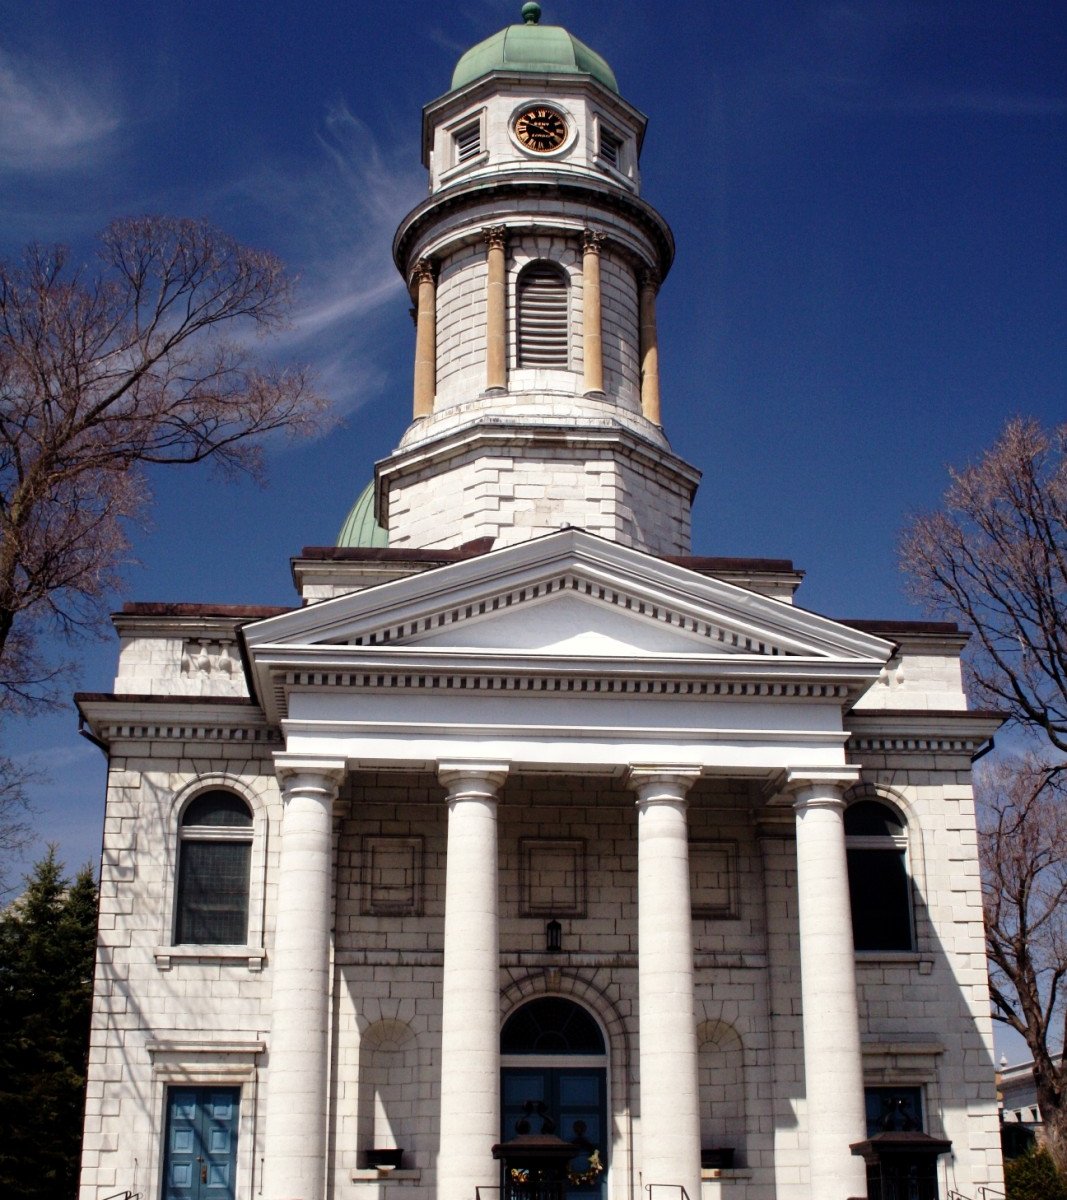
{"type": "Point", "coordinates": [525, 832]}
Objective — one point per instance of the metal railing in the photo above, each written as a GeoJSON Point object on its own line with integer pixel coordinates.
{"type": "Point", "coordinates": [674, 1187]}
{"type": "Point", "coordinates": [486, 1189]}
{"type": "Point", "coordinates": [985, 1192]}
{"type": "Point", "coordinates": [124, 1196]}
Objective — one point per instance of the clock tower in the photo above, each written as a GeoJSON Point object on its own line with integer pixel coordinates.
{"type": "Point", "coordinates": [533, 266]}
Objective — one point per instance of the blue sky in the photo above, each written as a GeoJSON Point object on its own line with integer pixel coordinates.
{"type": "Point", "coordinates": [868, 198]}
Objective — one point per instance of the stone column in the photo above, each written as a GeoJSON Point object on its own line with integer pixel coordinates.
{"type": "Point", "coordinates": [425, 340]}
{"type": "Point", "coordinates": [297, 1086]}
{"type": "Point", "coordinates": [649, 348]}
{"type": "Point", "coordinates": [496, 370]}
{"type": "Point", "coordinates": [470, 986]}
{"type": "Point", "coordinates": [833, 1065]}
{"type": "Point", "coordinates": [670, 1111]}
{"type": "Point", "coordinates": [593, 337]}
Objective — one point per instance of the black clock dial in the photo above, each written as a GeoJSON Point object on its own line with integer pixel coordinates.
{"type": "Point", "coordinates": [541, 129]}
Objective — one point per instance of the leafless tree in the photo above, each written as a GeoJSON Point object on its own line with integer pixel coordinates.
{"type": "Point", "coordinates": [996, 559]}
{"type": "Point", "coordinates": [15, 829]}
{"type": "Point", "coordinates": [1022, 831]}
{"type": "Point", "coordinates": [145, 358]}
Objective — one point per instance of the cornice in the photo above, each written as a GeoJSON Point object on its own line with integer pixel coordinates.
{"type": "Point", "coordinates": [917, 731]}
{"type": "Point", "coordinates": [535, 186]}
{"type": "Point", "coordinates": [282, 670]}
{"type": "Point", "coordinates": [112, 717]}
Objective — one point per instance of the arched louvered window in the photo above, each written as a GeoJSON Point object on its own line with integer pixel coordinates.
{"type": "Point", "coordinates": [542, 297]}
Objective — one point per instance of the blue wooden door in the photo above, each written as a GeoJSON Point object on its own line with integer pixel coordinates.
{"type": "Point", "coordinates": [201, 1143]}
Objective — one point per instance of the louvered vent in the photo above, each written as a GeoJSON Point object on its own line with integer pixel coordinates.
{"type": "Point", "coordinates": [468, 141]}
{"type": "Point", "coordinates": [542, 316]}
{"type": "Point", "coordinates": [610, 148]}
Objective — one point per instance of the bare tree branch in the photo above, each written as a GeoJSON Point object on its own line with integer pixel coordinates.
{"type": "Point", "coordinates": [147, 360]}
{"type": "Point", "coordinates": [996, 560]}
{"type": "Point", "coordinates": [1022, 842]}
{"type": "Point", "coordinates": [15, 830]}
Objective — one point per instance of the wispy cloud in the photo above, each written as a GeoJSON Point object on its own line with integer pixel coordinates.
{"type": "Point", "coordinates": [52, 120]}
{"type": "Point", "coordinates": [335, 223]}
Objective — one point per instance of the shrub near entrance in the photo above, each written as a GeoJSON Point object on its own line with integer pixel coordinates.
{"type": "Point", "coordinates": [1034, 1177]}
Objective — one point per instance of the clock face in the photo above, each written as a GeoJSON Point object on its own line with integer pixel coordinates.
{"type": "Point", "coordinates": [541, 129]}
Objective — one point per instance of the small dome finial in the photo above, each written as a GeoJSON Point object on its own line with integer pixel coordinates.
{"type": "Point", "coordinates": [531, 13]}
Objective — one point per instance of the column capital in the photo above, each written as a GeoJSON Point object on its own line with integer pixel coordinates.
{"type": "Point", "coordinates": [819, 786]}
{"type": "Point", "coordinates": [424, 271]}
{"type": "Point", "coordinates": [661, 785]}
{"type": "Point", "coordinates": [592, 240]}
{"type": "Point", "coordinates": [472, 779]}
{"type": "Point", "coordinates": [649, 278]}
{"type": "Point", "coordinates": [495, 236]}
{"type": "Point", "coordinates": [309, 772]}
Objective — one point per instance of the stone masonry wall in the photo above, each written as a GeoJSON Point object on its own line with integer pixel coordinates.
{"type": "Point", "coordinates": [567, 849]}
{"type": "Point", "coordinates": [164, 1017]}
{"type": "Point", "coordinates": [515, 495]}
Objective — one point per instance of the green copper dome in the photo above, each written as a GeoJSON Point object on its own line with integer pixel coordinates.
{"type": "Point", "coordinates": [360, 527]}
{"type": "Point", "coordinates": [532, 47]}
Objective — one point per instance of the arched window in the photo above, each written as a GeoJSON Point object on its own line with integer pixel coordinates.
{"type": "Point", "coordinates": [543, 325]}
{"type": "Point", "coordinates": [551, 1025]}
{"type": "Point", "coordinates": [214, 861]}
{"type": "Point", "coordinates": [879, 887]}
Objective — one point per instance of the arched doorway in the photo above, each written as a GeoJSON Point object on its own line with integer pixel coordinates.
{"type": "Point", "coordinates": [552, 1055]}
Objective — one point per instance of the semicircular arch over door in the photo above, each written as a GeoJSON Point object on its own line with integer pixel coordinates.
{"type": "Point", "coordinates": [554, 1064]}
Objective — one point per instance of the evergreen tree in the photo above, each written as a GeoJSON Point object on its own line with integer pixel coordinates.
{"type": "Point", "coordinates": [47, 954]}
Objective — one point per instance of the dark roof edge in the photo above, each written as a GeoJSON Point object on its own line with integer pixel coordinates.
{"type": "Point", "coordinates": [884, 626]}
{"type": "Point", "coordinates": [399, 554]}
{"type": "Point", "coordinates": [145, 698]}
{"type": "Point", "coordinates": [938, 714]}
{"type": "Point", "coordinates": [138, 608]}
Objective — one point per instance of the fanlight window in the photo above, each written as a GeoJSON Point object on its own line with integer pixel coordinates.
{"type": "Point", "coordinates": [214, 862]}
{"type": "Point", "coordinates": [551, 1026]}
{"type": "Point", "coordinates": [879, 887]}
{"type": "Point", "coordinates": [542, 302]}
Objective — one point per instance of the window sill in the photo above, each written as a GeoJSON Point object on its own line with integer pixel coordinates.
{"type": "Point", "coordinates": [725, 1173]}
{"type": "Point", "coordinates": [252, 956]}
{"type": "Point", "coordinates": [469, 164]}
{"type": "Point", "coordinates": [914, 958]}
{"type": "Point", "coordinates": [386, 1175]}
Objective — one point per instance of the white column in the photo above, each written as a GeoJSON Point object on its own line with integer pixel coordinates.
{"type": "Point", "coordinates": [670, 1111]}
{"type": "Point", "coordinates": [470, 987]}
{"type": "Point", "coordinates": [295, 1136]}
{"type": "Point", "coordinates": [833, 1064]}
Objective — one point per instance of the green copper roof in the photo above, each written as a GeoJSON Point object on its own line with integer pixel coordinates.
{"type": "Point", "coordinates": [532, 47]}
{"type": "Point", "coordinates": [360, 527]}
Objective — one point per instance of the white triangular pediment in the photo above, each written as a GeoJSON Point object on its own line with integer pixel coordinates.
{"type": "Point", "coordinates": [569, 593]}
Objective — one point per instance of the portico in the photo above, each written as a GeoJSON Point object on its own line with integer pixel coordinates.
{"type": "Point", "coordinates": [534, 689]}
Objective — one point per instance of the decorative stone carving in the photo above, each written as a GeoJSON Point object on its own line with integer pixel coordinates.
{"type": "Point", "coordinates": [495, 236]}
{"type": "Point", "coordinates": [202, 656]}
